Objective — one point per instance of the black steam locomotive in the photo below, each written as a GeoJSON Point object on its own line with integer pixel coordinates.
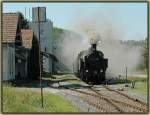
{"type": "Point", "coordinates": [90, 66]}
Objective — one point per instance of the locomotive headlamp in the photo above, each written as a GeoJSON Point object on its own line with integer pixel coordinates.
{"type": "Point", "coordinates": [86, 70]}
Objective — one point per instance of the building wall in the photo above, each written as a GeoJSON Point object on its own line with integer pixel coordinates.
{"type": "Point", "coordinates": [8, 58]}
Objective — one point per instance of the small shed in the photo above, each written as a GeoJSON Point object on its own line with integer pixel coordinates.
{"type": "Point", "coordinates": [27, 41]}
{"type": "Point", "coordinates": [23, 54]}
{"type": "Point", "coordinates": [9, 34]}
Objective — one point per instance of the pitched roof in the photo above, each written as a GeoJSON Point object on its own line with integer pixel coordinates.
{"type": "Point", "coordinates": [27, 36]}
{"type": "Point", "coordinates": [10, 22]}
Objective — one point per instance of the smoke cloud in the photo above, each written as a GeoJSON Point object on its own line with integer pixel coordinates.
{"type": "Point", "coordinates": [108, 38]}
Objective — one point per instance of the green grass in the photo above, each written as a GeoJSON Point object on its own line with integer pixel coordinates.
{"type": "Point", "coordinates": [75, 81]}
{"type": "Point", "coordinates": [29, 101]}
{"type": "Point", "coordinates": [140, 85]}
{"type": "Point", "coordinates": [130, 79]}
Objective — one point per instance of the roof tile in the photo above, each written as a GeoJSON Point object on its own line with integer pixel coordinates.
{"type": "Point", "coordinates": [10, 22]}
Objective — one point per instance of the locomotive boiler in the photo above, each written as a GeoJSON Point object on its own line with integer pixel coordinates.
{"type": "Point", "coordinates": [90, 66]}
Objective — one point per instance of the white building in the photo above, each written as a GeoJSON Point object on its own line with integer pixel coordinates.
{"type": "Point", "coordinates": [10, 24]}
{"type": "Point", "coordinates": [46, 27]}
{"type": "Point", "coordinates": [14, 50]}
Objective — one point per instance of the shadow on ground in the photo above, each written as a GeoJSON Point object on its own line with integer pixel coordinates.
{"type": "Point", "coordinates": [48, 83]}
{"type": "Point", "coordinates": [72, 86]}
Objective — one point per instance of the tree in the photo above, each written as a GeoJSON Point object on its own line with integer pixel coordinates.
{"type": "Point", "coordinates": [145, 54]}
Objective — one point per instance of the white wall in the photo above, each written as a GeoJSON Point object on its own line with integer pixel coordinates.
{"type": "Point", "coordinates": [8, 59]}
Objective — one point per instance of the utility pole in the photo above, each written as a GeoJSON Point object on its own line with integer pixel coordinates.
{"type": "Point", "coordinates": [73, 62]}
{"type": "Point", "coordinates": [40, 59]}
{"type": "Point", "coordinates": [126, 77]}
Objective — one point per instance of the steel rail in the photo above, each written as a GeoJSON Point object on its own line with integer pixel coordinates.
{"type": "Point", "coordinates": [125, 95]}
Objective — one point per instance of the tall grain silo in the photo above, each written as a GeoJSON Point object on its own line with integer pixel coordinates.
{"type": "Point", "coordinates": [46, 27]}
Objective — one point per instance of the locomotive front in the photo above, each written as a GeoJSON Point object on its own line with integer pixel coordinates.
{"type": "Point", "coordinates": [95, 66]}
{"type": "Point", "coordinates": [91, 65]}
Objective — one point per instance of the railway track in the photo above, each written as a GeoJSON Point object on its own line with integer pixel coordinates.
{"type": "Point", "coordinates": [87, 98]}
{"type": "Point", "coordinates": [125, 95]}
{"type": "Point", "coordinates": [97, 99]}
{"type": "Point", "coordinates": [118, 105]}
{"type": "Point", "coordinates": [139, 106]}
{"type": "Point", "coordinates": [97, 103]}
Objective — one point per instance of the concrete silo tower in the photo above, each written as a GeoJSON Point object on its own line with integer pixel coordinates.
{"type": "Point", "coordinates": [46, 27]}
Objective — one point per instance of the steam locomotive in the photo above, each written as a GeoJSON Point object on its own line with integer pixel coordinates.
{"type": "Point", "coordinates": [90, 66]}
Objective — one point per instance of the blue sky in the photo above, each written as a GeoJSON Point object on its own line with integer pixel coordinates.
{"type": "Point", "coordinates": [129, 18]}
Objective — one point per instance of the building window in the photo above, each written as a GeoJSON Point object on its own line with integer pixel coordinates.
{"type": "Point", "coordinates": [19, 60]}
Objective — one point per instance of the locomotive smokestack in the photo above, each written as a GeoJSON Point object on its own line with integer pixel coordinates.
{"type": "Point", "coordinates": [94, 38]}
{"type": "Point", "coordinates": [94, 47]}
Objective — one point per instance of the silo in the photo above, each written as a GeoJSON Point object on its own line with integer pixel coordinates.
{"type": "Point", "coordinates": [46, 27]}
{"type": "Point", "coordinates": [42, 14]}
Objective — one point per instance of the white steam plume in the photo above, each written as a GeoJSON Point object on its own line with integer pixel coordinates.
{"type": "Point", "coordinates": [119, 55]}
